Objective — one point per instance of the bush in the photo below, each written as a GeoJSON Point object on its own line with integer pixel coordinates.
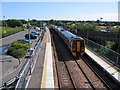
{"type": "Point", "coordinates": [18, 53]}
{"type": "Point", "coordinates": [19, 44]}
{"type": "Point", "coordinates": [18, 49]}
{"type": "Point", "coordinates": [10, 50]}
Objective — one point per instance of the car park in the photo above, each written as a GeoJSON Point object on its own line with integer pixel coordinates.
{"type": "Point", "coordinates": [36, 33]}
{"type": "Point", "coordinates": [32, 36]}
{"type": "Point", "coordinates": [27, 41]}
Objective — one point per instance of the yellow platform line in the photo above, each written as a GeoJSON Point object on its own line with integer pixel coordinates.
{"type": "Point", "coordinates": [43, 82]}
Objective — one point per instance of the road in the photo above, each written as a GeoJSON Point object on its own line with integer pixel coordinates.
{"type": "Point", "coordinates": [11, 38]}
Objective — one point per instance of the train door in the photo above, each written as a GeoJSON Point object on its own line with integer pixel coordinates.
{"type": "Point", "coordinates": [73, 48]}
{"type": "Point", "coordinates": [78, 49]}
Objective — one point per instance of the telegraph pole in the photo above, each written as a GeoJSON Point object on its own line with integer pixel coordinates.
{"type": "Point", "coordinates": [29, 45]}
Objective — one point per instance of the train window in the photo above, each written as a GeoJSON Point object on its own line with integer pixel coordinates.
{"type": "Point", "coordinates": [74, 46]}
{"type": "Point", "coordinates": [82, 43]}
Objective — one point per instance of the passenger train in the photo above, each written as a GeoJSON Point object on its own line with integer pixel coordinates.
{"type": "Point", "coordinates": [75, 43]}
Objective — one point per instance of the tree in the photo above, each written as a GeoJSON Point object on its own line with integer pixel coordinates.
{"type": "Point", "coordinates": [98, 21]}
{"type": "Point", "coordinates": [18, 54]}
{"type": "Point", "coordinates": [18, 49]}
{"type": "Point", "coordinates": [33, 22]}
{"type": "Point", "coordinates": [23, 21]}
{"type": "Point", "coordinates": [14, 23]}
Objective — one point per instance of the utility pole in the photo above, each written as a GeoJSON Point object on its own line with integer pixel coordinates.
{"type": "Point", "coordinates": [29, 44]}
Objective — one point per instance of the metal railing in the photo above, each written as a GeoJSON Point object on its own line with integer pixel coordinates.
{"type": "Point", "coordinates": [108, 54]}
{"type": "Point", "coordinates": [23, 76]}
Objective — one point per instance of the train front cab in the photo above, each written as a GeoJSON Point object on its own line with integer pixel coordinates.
{"type": "Point", "coordinates": [78, 47]}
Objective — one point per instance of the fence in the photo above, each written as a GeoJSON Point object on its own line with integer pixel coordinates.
{"type": "Point", "coordinates": [104, 52]}
{"type": "Point", "coordinates": [23, 76]}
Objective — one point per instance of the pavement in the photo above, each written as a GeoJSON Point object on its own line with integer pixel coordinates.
{"type": "Point", "coordinates": [13, 71]}
{"type": "Point", "coordinates": [8, 63]}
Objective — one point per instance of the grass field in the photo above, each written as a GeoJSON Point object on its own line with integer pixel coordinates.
{"type": "Point", "coordinates": [9, 30]}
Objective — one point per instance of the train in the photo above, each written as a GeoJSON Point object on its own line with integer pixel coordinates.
{"type": "Point", "coordinates": [75, 43]}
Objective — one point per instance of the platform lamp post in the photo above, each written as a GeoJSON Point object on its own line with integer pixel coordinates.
{"type": "Point", "coordinates": [29, 44]}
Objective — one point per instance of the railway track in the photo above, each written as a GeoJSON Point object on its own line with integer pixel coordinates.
{"type": "Point", "coordinates": [73, 73]}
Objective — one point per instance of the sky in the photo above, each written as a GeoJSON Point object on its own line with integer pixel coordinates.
{"type": "Point", "coordinates": [69, 10]}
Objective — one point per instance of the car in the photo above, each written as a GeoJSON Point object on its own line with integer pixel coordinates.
{"type": "Point", "coordinates": [27, 41]}
{"type": "Point", "coordinates": [31, 53]}
{"type": "Point", "coordinates": [36, 33]}
{"type": "Point", "coordinates": [38, 29]}
{"type": "Point", "coordinates": [33, 27]}
{"type": "Point", "coordinates": [32, 36]}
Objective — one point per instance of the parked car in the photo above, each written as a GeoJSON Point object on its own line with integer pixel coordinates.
{"type": "Point", "coordinates": [32, 36]}
{"type": "Point", "coordinates": [33, 27]}
{"type": "Point", "coordinates": [36, 33]}
{"type": "Point", "coordinates": [31, 53]}
{"type": "Point", "coordinates": [38, 29]}
{"type": "Point", "coordinates": [27, 41]}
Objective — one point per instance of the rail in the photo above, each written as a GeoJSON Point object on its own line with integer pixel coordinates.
{"type": "Point", "coordinates": [106, 53]}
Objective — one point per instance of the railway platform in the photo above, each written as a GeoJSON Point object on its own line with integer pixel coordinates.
{"type": "Point", "coordinates": [106, 66]}
{"type": "Point", "coordinates": [42, 72]}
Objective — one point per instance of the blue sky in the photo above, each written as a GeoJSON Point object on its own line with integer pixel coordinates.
{"type": "Point", "coordinates": [61, 10]}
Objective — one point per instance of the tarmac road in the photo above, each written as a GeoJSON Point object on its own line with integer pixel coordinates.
{"type": "Point", "coordinates": [11, 38]}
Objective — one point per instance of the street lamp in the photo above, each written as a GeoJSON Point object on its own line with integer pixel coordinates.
{"type": "Point", "coordinates": [29, 45]}
{"type": "Point", "coordinates": [29, 28]}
